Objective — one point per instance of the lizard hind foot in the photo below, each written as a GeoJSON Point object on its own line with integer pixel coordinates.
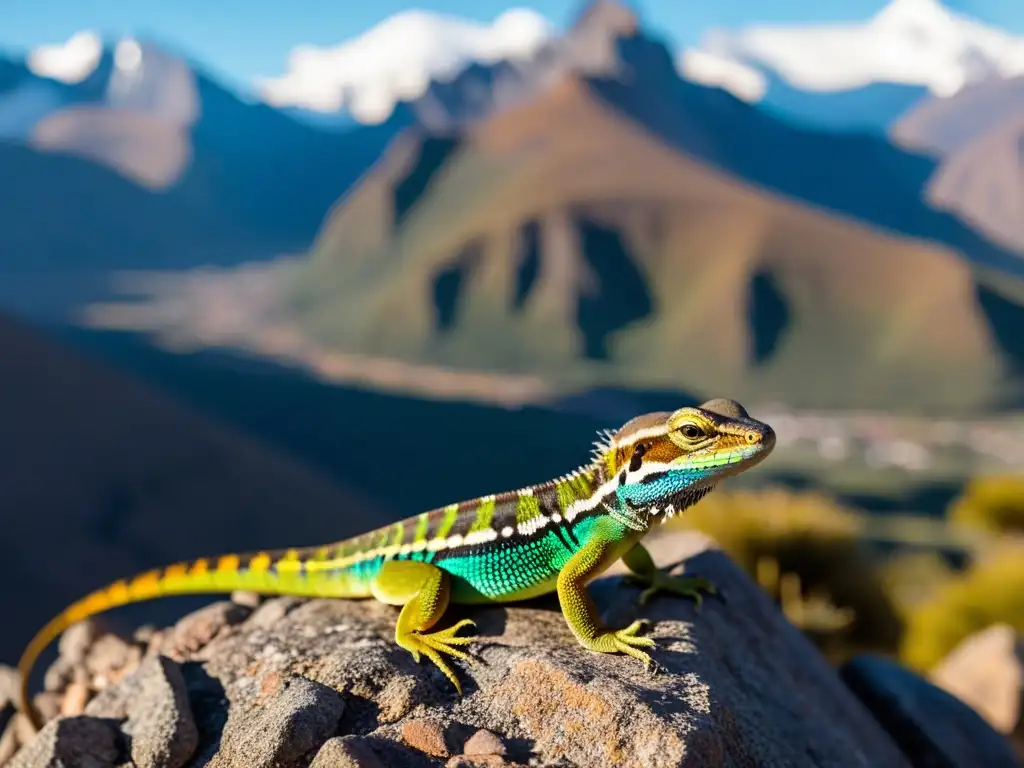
{"type": "Point", "coordinates": [436, 645]}
{"type": "Point", "coordinates": [627, 641]}
{"type": "Point", "coordinates": [692, 587]}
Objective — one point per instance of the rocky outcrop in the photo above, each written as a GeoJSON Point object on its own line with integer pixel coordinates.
{"type": "Point", "coordinates": [986, 671]}
{"type": "Point", "coordinates": [289, 683]}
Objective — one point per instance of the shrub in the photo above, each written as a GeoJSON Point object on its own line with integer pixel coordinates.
{"type": "Point", "coordinates": [991, 590]}
{"type": "Point", "coordinates": [992, 503]}
{"type": "Point", "coordinates": [803, 548]}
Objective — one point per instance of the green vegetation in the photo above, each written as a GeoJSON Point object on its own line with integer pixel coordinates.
{"type": "Point", "coordinates": [990, 591]}
{"type": "Point", "coordinates": [816, 558]}
{"type": "Point", "coordinates": [805, 550]}
{"type": "Point", "coordinates": [993, 504]}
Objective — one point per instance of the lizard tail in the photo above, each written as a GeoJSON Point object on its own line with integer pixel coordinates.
{"type": "Point", "coordinates": [292, 572]}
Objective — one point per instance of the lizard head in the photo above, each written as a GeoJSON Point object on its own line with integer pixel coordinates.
{"type": "Point", "coordinates": [662, 463]}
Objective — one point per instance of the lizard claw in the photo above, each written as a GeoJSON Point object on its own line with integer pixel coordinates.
{"type": "Point", "coordinates": [436, 645]}
{"type": "Point", "coordinates": [627, 641]}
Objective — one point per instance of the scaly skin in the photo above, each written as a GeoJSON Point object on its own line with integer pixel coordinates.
{"type": "Point", "coordinates": [555, 536]}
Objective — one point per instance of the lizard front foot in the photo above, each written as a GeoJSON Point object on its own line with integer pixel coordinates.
{"type": "Point", "coordinates": [624, 641]}
{"type": "Point", "coordinates": [435, 645]}
{"type": "Point", "coordinates": [693, 587]}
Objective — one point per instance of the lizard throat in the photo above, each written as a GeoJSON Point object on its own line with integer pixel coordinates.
{"type": "Point", "coordinates": [660, 513]}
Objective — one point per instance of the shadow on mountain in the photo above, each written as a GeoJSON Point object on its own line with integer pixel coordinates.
{"type": "Point", "coordinates": [448, 285]}
{"type": "Point", "coordinates": [767, 315]}
{"type": "Point", "coordinates": [619, 295]}
{"type": "Point", "coordinates": [103, 478]}
{"type": "Point", "coordinates": [1006, 321]}
{"type": "Point", "coordinates": [278, 176]}
{"type": "Point", "coordinates": [60, 212]}
{"type": "Point", "coordinates": [343, 431]}
{"type": "Point", "coordinates": [432, 153]}
{"type": "Point", "coordinates": [528, 268]}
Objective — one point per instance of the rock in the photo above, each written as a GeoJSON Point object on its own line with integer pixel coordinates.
{"type": "Point", "coordinates": [90, 658]}
{"type": "Point", "coordinates": [345, 752]}
{"type": "Point", "coordinates": [247, 599]}
{"type": "Point", "coordinates": [280, 730]}
{"type": "Point", "coordinates": [986, 671]}
{"type": "Point", "coordinates": [738, 685]}
{"type": "Point", "coordinates": [932, 726]}
{"type": "Point", "coordinates": [76, 696]}
{"type": "Point", "coordinates": [9, 684]}
{"type": "Point", "coordinates": [110, 658]}
{"type": "Point", "coordinates": [82, 742]}
{"type": "Point", "coordinates": [76, 640]}
{"type": "Point", "coordinates": [8, 744]}
{"type": "Point", "coordinates": [199, 628]}
{"type": "Point", "coordinates": [159, 718]}
{"type": "Point", "coordinates": [483, 742]}
{"type": "Point", "coordinates": [425, 735]}
{"type": "Point", "coordinates": [479, 761]}
{"type": "Point", "coordinates": [47, 704]}
{"type": "Point", "coordinates": [272, 611]}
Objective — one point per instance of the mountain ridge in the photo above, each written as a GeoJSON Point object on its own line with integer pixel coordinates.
{"type": "Point", "coordinates": [500, 169]}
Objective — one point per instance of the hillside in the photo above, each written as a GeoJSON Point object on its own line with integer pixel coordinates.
{"type": "Point", "coordinates": [215, 179]}
{"type": "Point", "coordinates": [102, 477]}
{"type": "Point", "coordinates": [652, 234]}
{"type": "Point", "coordinates": [59, 211]}
{"type": "Point", "coordinates": [978, 136]}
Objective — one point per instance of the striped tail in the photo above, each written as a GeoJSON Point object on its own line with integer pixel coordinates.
{"type": "Point", "coordinates": [304, 573]}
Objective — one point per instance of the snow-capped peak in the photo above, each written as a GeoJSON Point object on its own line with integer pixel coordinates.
{"type": "Point", "coordinates": [911, 42]}
{"type": "Point", "coordinates": [397, 59]}
{"type": "Point", "coordinates": [71, 61]}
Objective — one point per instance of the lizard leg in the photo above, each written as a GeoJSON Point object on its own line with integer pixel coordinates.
{"type": "Point", "coordinates": [422, 590]}
{"type": "Point", "coordinates": [647, 574]}
{"type": "Point", "coordinates": [581, 614]}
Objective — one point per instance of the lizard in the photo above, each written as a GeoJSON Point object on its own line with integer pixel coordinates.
{"type": "Point", "coordinates": [552, 537]}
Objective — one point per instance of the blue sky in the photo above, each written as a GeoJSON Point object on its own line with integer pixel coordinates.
{"type": "Point", "coordinates": [242, 39]}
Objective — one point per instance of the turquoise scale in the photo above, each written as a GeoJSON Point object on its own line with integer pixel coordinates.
{"type": "Point", "coordinates": [503, 568]}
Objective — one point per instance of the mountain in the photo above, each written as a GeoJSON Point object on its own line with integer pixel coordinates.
{"type": "Point", "coordinates": [163, 170]}
{"type": "Point", "coordinates": [216, 170]}
{"type": "Point", "coordinates": [944, 126]}
{"type": "Point", "coordinates": [59, 212]}
{"type": "Point", "coordinates": [103, 477]}
{"type": "Point", "coordinates": [823, 74]}
{"type": "Point", "coordinates": [25, 99]}
{"type": "Point", "coordinates": [977, 135]}
{"type": "Point", "coordinates": [638, 230]}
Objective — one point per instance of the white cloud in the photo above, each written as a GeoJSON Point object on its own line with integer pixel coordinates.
{"type": "Point", "coordinates": [397, 59]}
{"type": "Point", "coordinates": [705, 68]}
{"type": "Point", "coordinates": [914, 42]}
{"type": "Point", "coordinates": [69, 62]}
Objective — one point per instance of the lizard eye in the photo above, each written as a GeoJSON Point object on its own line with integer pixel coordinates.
{"type": "Point", "coordinates": [691, 431]}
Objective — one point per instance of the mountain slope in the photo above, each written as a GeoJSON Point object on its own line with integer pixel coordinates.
{"type": "Point", "coordinates": [566, 238]}
{"type": "Point", "coordinates": [160, 121]}
{"type": "Point", "coordinates": [942, 127]}
{"type": "Point", "coordinates": [623, 227]}
{"type": "Point", "coordinates": [978, 137]}
{"type": "Point", "coordinates": [103, 477]}
{"type": "Point", "coordinates": [859, 176]}
{"type": "Point", "coordinates": [69, 213]}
